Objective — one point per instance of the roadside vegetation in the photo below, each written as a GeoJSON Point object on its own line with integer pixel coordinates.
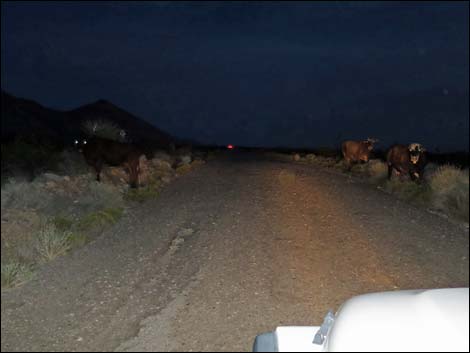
{"type": "Point", "coordinates": [51, 203]}
{"type": "Point", "coordinates": [445, 188]}
{"type": "Point", "coordinates": [15, 273]}
{"type": "Point", "coordinates": [28, 157]}
{"type": "Point", "coordinates": [450, 187]}
{"type": "Point", "coordinates": [106, 129]}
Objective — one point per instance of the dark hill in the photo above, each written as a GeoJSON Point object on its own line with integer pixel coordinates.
{"type": "Point", "coordinates": [138, 129]}
{"type": "Point", "coordinates": [23, 117]}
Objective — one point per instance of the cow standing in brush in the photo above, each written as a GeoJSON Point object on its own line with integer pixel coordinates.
{"type": "Point", "coordinates": [99, 151]}
{"type": "Point", "coordinates": [409, 159]}
{"type": "Point", "coordinates": [357, 151]}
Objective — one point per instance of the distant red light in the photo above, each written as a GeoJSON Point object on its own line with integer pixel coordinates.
{"type": "Point", "coordinates": [230, 147]}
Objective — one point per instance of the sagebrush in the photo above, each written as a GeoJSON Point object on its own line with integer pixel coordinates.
{"type": "Point", "coordinates": [106, 129]}
{"type": "Point", "coordinates": [450, 186]}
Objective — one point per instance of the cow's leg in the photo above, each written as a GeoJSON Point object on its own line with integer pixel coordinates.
{"type": "Point", "coordinates": [98, 167]}
{"type": "Point", "coordinates": [133, 167]}
{"type": "Point", "coordinates": [390, 171]}
{"type": "Point", "coordinates": [415, 176]}
{"type": "Point", "coordinates": [133, 178]}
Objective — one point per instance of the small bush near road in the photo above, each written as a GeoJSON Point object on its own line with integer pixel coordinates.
{"type": "Point", "coordinates": [100, 218]}
{"type": "Point", "coordinates": [450, 187]}
{"type": "Point", "coordinates": [62, 223]}
{"type": "Point", "coordinates": [15, 273]}
{"type": "Point", "coordinates": [63, 209]}
{"type": "Point", "coordinates": [27, 157]}
{"type": "Point", "coordinates": [377, 170]}
{"type": "Point", "coordinates": [445, 188]}
{"type": "Point", "coordinates": [52, 242]}
{"type": "Point", "coordinates": [409, 190]}
{"type": "Point", "coordinates": [144, 193]}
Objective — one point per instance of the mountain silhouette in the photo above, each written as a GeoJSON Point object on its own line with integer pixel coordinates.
{"type": "Point", "coordinates": [23, 117]}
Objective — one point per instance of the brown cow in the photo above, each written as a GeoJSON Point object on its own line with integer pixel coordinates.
{"type": "Point", "coordinates": [357, 151]}
{"type": "Point", "coordinates": [409, 159]}
{"type": "Point", "coordinates": [99, 151]}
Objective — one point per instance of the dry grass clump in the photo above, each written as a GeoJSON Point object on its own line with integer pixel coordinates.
{"type": "Point", "coordinates": [450, 187]}
{"type": "Point", "coordinates": [183, 169]}
{"type": "Point", "coordinates": [100, 218]}
{"type": "Point", "coordinates": [52, 242]}
{"type": "Point", "coordinates": [409, 190]}
{"type": "Point", "coordinates": [377, 171]}
{"type": "Point", "coordinates": [23, 194]}
{"type": "Point", "coordinates": [144, 193]}
{"type": "Point", "coordinates": [310, 157]}
{"type": "Point", "coordinates": [15, 273]}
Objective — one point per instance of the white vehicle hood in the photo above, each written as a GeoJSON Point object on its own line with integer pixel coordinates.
{"type": "Point", "coordinates": [419, 320]}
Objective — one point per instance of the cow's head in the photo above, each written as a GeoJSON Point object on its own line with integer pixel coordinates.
{"type": "Point", "coordinates": [370, 143]}
{"type": "Point", "coordinates": [415, 150]}
{"type": "Point", "coordinates": [80, 143]}
{"type": "Point", "coordinates": [363, 152]}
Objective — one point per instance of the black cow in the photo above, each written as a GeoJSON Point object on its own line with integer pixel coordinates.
{"type": "Point", "coordinates": [99, 151]}
{"type": "Point", "coordinates": [409, 159]}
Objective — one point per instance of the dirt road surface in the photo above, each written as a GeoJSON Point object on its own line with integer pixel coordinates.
{"type": "Point", "coordinates": [235, 248]}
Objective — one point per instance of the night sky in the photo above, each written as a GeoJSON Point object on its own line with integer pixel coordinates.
{"type": "Point", "coordinates": [259, 74]}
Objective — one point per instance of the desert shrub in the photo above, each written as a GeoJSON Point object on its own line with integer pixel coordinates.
{"type": "Point", "coordinates": [450, 186]}
{"type": "Point", "coordinates": [310, 157]}
{"type": "Point", "coordinates": [197, 162]}
{"type": "Point", "coordinates": [106, 195]}
{"type": "Point", "coordinates": [62, 223]}
{"type": "Point", "coordinates": [65, 224]}
{"type": "Point", "coordinates": [409, 190]}
{"type": "Point", "coordinates": [341, 165]}
{"type": "Point", "coordinates": [23, 194]}
{"type": "Point", "coordinates": [97, 196]}
{"type": "Point", "coordinates": [144, 193]}
{"type": "Point", "coordinates": [162, 155]}
{"type": "Point", "coordinates": [50, 200]}
{"type": "Point", "coordinates": [72, 163]}
{"type": "Point", "coordinates": [100, 218]}
{"type": "Point", "coordinates": [183, 169]}
{"type": "Point", "coordinates": [15, 273]}
{"type": "Point", "coordinates": [377, 171]}
{"type": "Point", "coordinates": [327, 162]}
{"type": "Point", "coordinates": [29, 157]}
{"type": "Point", "coordinates": [51, 242]}
{"type": "Point", "coordinates": [106, 129]}
{"type": "Point", "coordinates": [78, 239]}
{"type": "Point", "coordinates": [429, 171]}
{"type": "Point", "coordinates": [360, 168]}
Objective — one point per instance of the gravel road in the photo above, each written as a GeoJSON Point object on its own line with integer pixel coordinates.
{"type": "Point", "coordinates": [235, 248]}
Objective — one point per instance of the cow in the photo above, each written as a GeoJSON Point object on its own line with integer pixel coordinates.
{"type": "Point", "coordinates": [357, 151]}
{"type": "Point", "coordinates": [409, 159]}
{"type": "Point", "coordinates": [99, 151]}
